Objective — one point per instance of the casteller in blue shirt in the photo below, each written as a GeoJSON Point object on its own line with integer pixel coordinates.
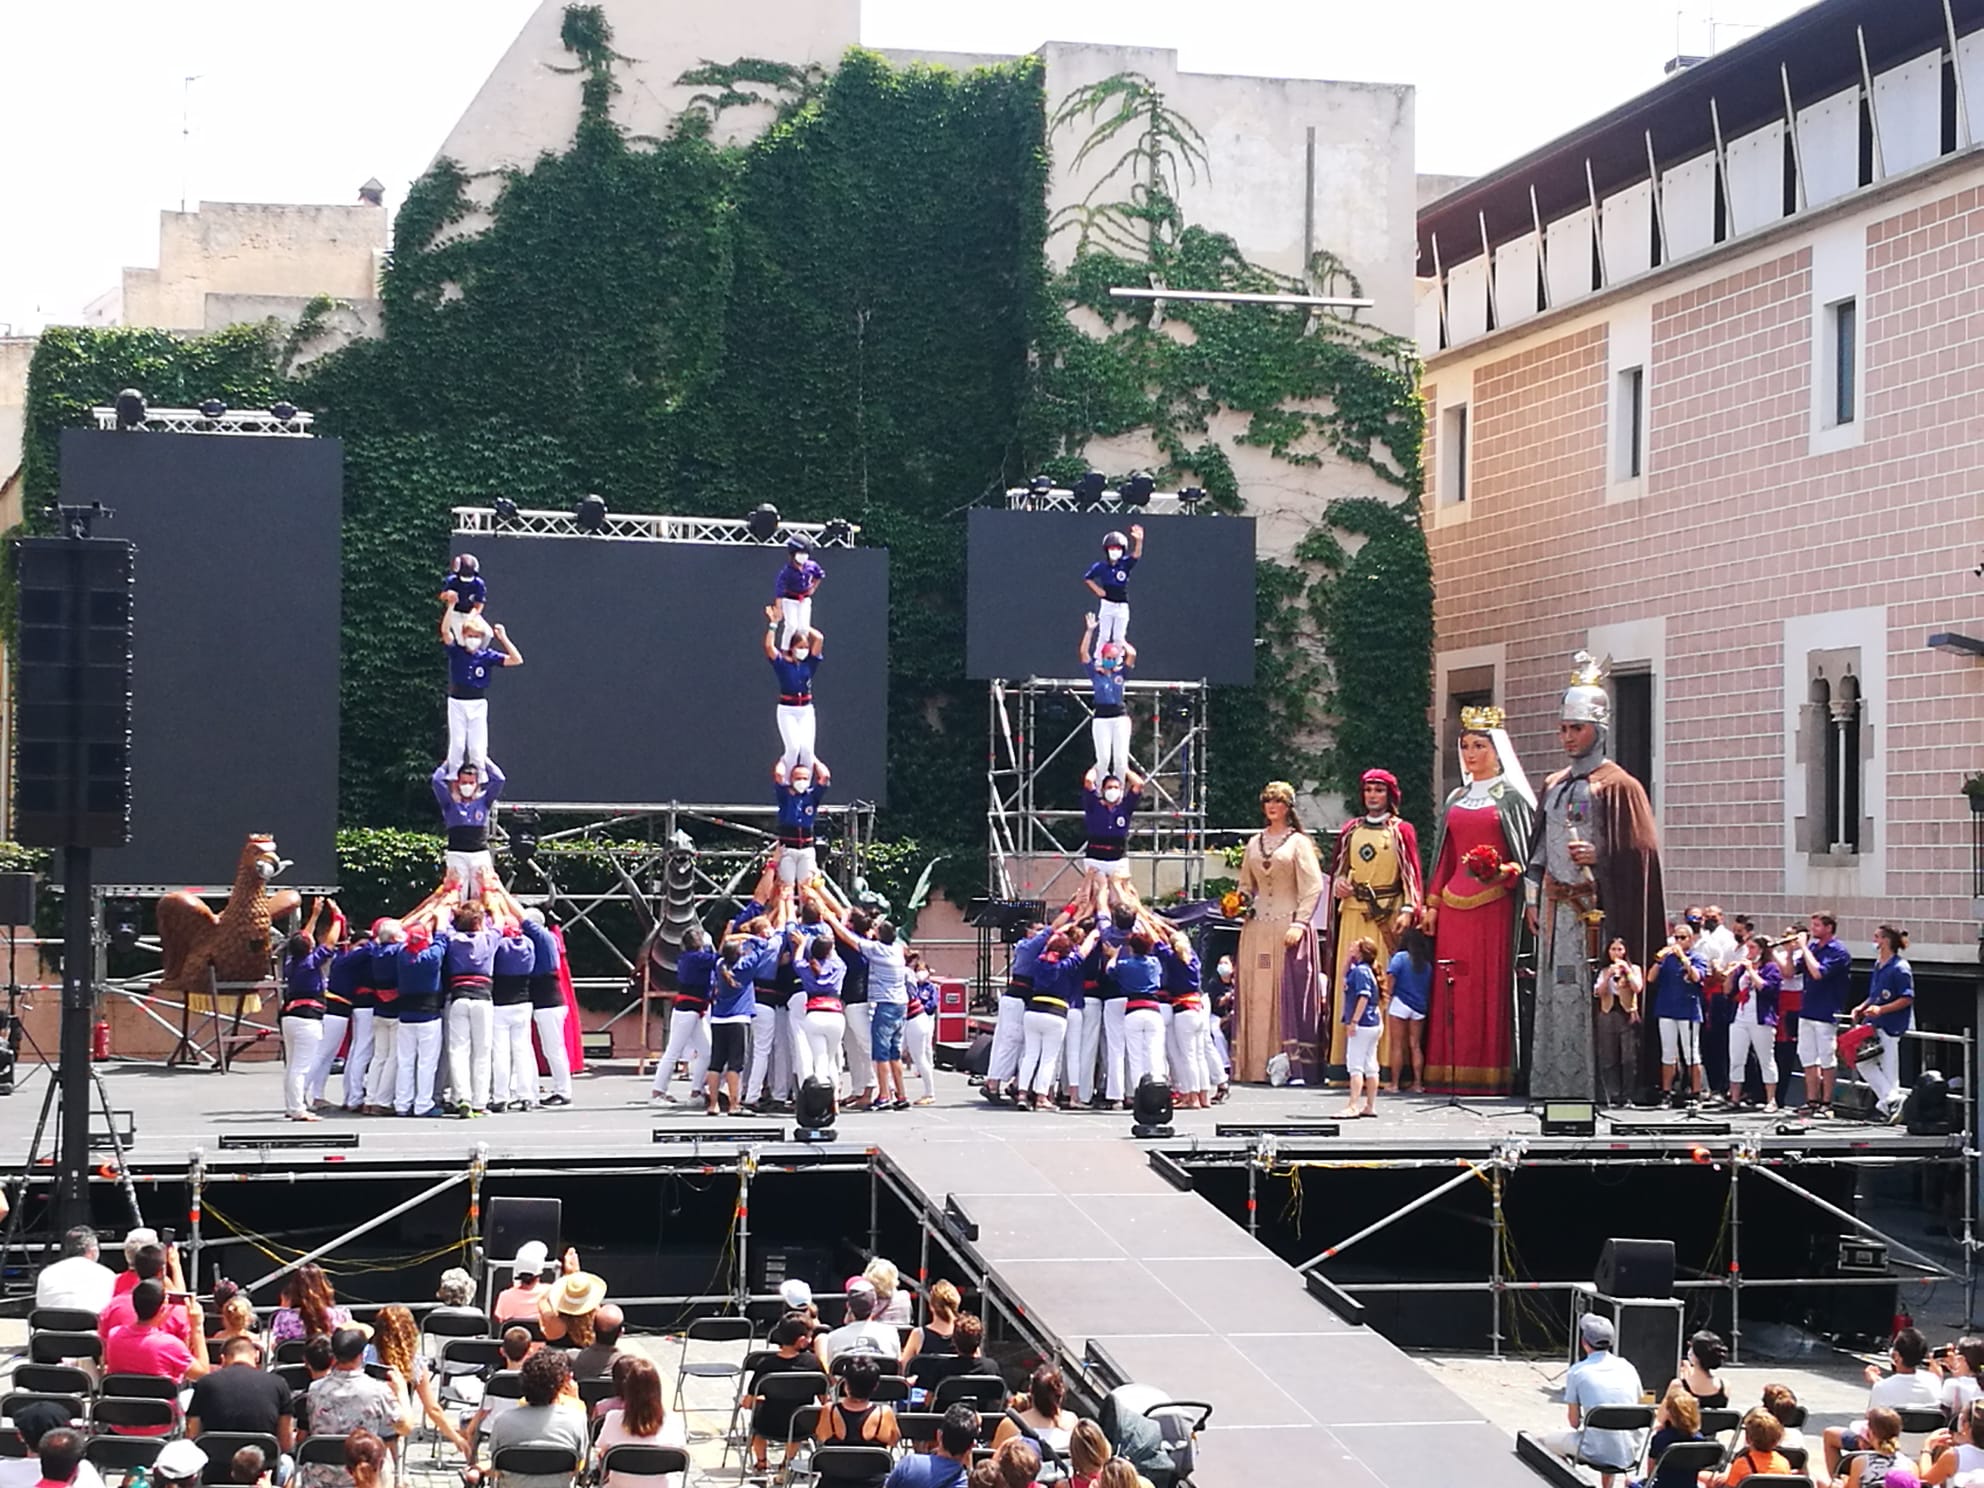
{"type": "Point", "coordinates": [1674, 996]}
{"type": "Point", "coordinates": [1826, 994]}
{"type": "Point", "coordinates": [795, 679]}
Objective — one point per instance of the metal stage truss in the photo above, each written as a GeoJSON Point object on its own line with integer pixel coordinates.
{"type": "Point", "coordinates": [646, 527]}
{"type": "Point", "coordinates": [259, 421]}
{"type": "Point", "coordinates": [1034, 844]}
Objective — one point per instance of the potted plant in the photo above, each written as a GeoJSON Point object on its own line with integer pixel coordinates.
{"type": "Point", "coordinates": [1973, 789]}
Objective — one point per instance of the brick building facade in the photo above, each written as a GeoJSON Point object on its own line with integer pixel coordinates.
{"type": "Point", "coordinates": [1739, 453]}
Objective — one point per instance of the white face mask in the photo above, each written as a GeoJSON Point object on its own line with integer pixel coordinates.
{"type": "Point", "coordinates": [801, 784]}
{"type": "Point", "coordinates": [1115, 554]}
{"type": "Point", "coordinates": [1112, 795]}
{"type": "Point", "coordinates": [471, 642]}
{"type": "Point", "coordinates": [465, 790]}
{"type": "Point", "coordinates": [800, 653]}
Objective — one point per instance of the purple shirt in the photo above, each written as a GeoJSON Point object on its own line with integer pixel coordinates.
{"type": "Point", "coordinates": [467, 822]}
{"type": "Point", "coordinates": [470, 954]}
{"type": "Point", "coordinates": [1108, 826]}
{"type": "Point", "coordinates": [798, 580]}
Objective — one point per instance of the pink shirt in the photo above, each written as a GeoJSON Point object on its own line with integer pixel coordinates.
{"type": "Point", "coordinates": [137, 1349]}
{"type": "Point", "coordinates": [120, 1312]}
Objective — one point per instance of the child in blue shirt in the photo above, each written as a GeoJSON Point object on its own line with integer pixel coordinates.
{"type": "Point", "coordinates": [1358, 999]}
{"type": "Point", "coordinates": [794, 588]}
{"type": "Point", "coordinates": [794, 667]}
{"type": "Point", "coordinates": [472, 661]}
{"type": "Point", "coordinates": [1108, 578]}
{"type": "Point", "coordinates": [732, 1008]}
{"type": "Point", "coordinates": [463, 592]}
{"type": "Point", "coordinates": [1676, 978]}
{"type": "Point", "coordinates": [1110, 725]}
{"type": "Point", "coordinates": [1409, 974]}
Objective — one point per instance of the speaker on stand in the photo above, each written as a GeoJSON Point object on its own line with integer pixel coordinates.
{"type": "Point", "coordinates": [1633, 1287]}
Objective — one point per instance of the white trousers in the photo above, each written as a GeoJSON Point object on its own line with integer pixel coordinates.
{"type": "Point", "coordinates": [1746, 1039]}
{"type": "Point", "coordinates": [1113, 1040]}
{"type": "Point", "coordinates": [471, 1022]}
{"type": "Point", "coordinates": [794, 615]}
{"type": "Point", "coordinates": [300, 1040]}
{"type": "Point", "coordinates": [358, 1059]}
{"type": "Point", "coordinates": [334, 1028]}
{"type": "Point", "coordinates": [382, 1074]}
{"type": "Point", "coordinates": [1112, 622]}
{"type": "Point", "coordinates": [798, 865]}
{"type": "Point", "coordinates": [1077, 1077]}
{"type": "Point", "coordinates": [1360, 1050]}
{"type": "Point", "coordinates": [796, 730]}
{"type": "Point", "coordinates": [816, 1052]}
{"type": "Point", "coordinates": [419, 1060]}
{"type": "Point", "coordinates": [771, 1055]}
{"type": "Point", "coordinates": [474, 871]}
{"type": "Point", "coordinates": [1143, 1034]}
{"type": "Point", "coordinates": [1884, 1074]}
{"type": "Point", "coordinates": [1112, 746]}
{"type": "Point", "coordinates": [1045, 1033]}
{"type": "Point", "coordinates": [512, 1065]}
{"type": "Point", "coordinates": [1219, 1059]}
{"type": "Point", "coordinates": [859, 1046]}
{"type": "Point", "coordinates": [1187, 1051]}
{"type": "Point", "coordinates": [1680, 1041]}
{"type": "Point", "coordinates": [917, 1033]}
{"type": "Point", "coordinates": [1818, 1043]}
{"type": "Point", "coordinates": [551, 1036]}
{"type": "Point", "coordinates": [468, 733]}
{"type": "Point", "coordinates": [1008, 1038]}
{"type": "Point", "coordinates": [688, 1038]}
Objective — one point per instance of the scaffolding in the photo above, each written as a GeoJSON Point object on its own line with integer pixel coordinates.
{"type": "Point", "coordinates": [1034, 845]}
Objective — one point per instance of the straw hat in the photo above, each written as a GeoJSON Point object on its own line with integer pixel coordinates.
{"type": "Point", "coordinates": [578, 1293]}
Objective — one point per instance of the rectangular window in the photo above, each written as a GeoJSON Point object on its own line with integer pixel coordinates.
{"type": "Point", "coordinates": [1454, 454]}
{"type": "Point", "coordinates": [1630, 415]}
{"type": "Point", "coordinates": [1632, 725]}
{"type": "Point", "coordinates": [1845, 338]}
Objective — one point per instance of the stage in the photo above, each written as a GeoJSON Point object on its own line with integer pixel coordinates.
{"type": "Point", "coordinates": [1132, 1254]}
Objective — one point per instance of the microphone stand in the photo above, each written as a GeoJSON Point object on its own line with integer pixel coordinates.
{"type": "Point", "coordinates": [1450, 967]}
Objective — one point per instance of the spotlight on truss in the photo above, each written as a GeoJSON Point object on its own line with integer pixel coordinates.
{"type": "Point", "coordinates": [506, 511]}
{"type": "Point", "coordinates": [1190, 497]}
{"type": "Point", "coordinates": [1136, 488]}
{"type": "Point", "coordinates": [213, 408]}
{"type": "Point", "coordinates": [838, 533]}
{"type": "Point", "coordinates": [130, 407]}
{"type": "Point", "coordinates": [762, 521]}
{"type": "Point", "coordinates": [1040, 488]}
{"type": "Point", "coordinates": [283, 412]}
{"type": "Point", "coordinates": [1088, 490]}
{"type": "Point", "coordinates": [590, 512]}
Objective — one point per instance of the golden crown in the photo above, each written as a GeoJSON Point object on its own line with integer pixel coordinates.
{"type": "Point", "coordinates": [1482, 718]}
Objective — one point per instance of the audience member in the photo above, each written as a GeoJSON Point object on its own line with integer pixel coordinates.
{"type": "Point", "coordinates": [317, 1363]}
{"type": "Point", "coordinates": [550, 1416]}
{"type": "Point", "coordinates": [1600, 1377]}
{"type": "Point", "coordinates": [396, 1339]}
{"type": "Point", "coordinates": [348, 1399]}
{"type": "Point", "coordinates": [1706, 1354]}
{"type": "Point", "coordinates": [249, 1465]}
{"type": "Point", "coordinates": [179, 1464]}
{"type": "Point", "coordinates": [1782, 1403]}
{"type": "Point", "coordinates": [984, 1475]}
{"type": "Point", "coordinates": [242, 1396]}
{"type": "Point", "coordinates": [860, 1333]}
{"type": "Point", "coordinates": [946, 1464]}
{"type": "Point", "coordinates": [237, 1319]}
{"type": "Point", "coordinates": [1879, 1445]}
{"type": "Point", "coordinates": [596, 1358]}
{"type": "Point", "coordinates": [854, 1418]}
{"type": "Point", "coordinates": [893, 1304]}
{"type": "Point", "coordinates": [61, 1456]}
{"type": "Point", "coordinates": [1039, 1415]}
{"type": "Point", "coordinates": [1092, 1461]}
{"type": "Point", "coordinates": [152, 1263]}
{"type": "Point", "coordinates": [640, 1419]}
{"type": "Point", "coordinates": [518, 1302]}
{"type": "Point", "coordinates": [798, 1297]}
{"type": "Point", "coordinates": [79, 1280]}
{"type": "Point", "coordinates": [1956, 1456]}
{"type": "Point", "coordinates": [1959, 1366]}
{"type": "Point", "coordinates": [771, 1420]}
{"type": "Point", "coordinates": [1762, 1432]}
{"type": "Point", "coordinates": [143, 1346]}
{"type": "Point", "coordinates": [364, 1459]}
{"type": "Point", "coordinates": [1908, 1385]}
{"type": "Point", "coordinates": [515, 1347]}
{"type": "Point", "coordinates": [934, 1339]}
{"type": "Point", "coordinates": [565, 1311]}
{"type": "Point", "coordinates": [309, 1306]}
{"type": "Point", "coordinates": [1677, 1419]}
{"type": "Point", "coordinates": [456, 1294]}
{"type": "Point", "coordinates": [1120, 1472]}
{"type": "Point", "coordinates": [1018, 1464]}
{"type": "Point", "coordinates": [134, 1241]}
{"type": "Point", "coordinates": [32, 1422]}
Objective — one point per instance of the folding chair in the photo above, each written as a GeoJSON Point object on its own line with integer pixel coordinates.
{"type": "Point", "coordinates": [837, 1462]}
{"type": "Point", "coordinates": [536, 1462]}
{"type": "Point", "coordinates": [1918, 1421]}
{"type": "Point", "coordinates": [985, 1391]}
{"type": "Point", "coordinates": [108, 1454]}
{"type": "Point", "coordinates": [890, 1389]}
{"type": "Point", "coordinates": [60, 1345]}
{"type": "Point", "coordinates": [713, 1330]}
{"type": "Point", "coordinates": [139, 1387]}
{"type": "Point", "coordinates": [53, 1379]}
{"type": "Point", "coordinates": [296, 1376]}
{"type": "Point", "coordinates": [798, 1388]}
{"type": "Point", "coordinates": [1796, 1456]}
{"type": "Point", "coordinates": [1687, 1459]}
{"type": "Point", "coordinates": [639, 1460]}
{"type": "Point", "coordinates": [799, 1443]}
{"type": "Point", "coordinates": [62, 1320]}
{"type": "Point", "coordinates": [220, 1447]}
{"type": "Point", "coordinates": [321, 1451]}
{"type": "Point", "coordinates": [128, 1415]}
{"type": "Point", "coordinates": [755, 1360]}
{"type": "Point", "coordinates": [1780, 1480]}
{"type": "Point", "coordinates": [919, 1427]}
{"type": "Point", "coordinates": [290, 1350]}
{"type": "Point", "coordinates": [441, 1326]}
{"type": "Point", "coordinates": [14, 1400]}
{"type": "Point", "coordinates": [596, 1391]}
{"type": "Point", "coordinates": [1635, 1419]}
{"type": "Point", "coordinates": [1720, 1420]}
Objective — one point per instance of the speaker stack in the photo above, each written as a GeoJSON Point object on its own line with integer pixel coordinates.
{"type": "Point", "coordinates": [1633, 1287]}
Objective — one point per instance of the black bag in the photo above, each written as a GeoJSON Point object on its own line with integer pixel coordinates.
{"type": "Point", "coordinates": [977, 1058]}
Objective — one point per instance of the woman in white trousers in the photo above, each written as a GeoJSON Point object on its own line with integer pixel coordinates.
{"type": "Point", "coordinates": [919, 1032]}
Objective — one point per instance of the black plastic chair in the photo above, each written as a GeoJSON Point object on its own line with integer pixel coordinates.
{"type": "Point", "coordinates": [640, 1460]}
{"type": "Point", "coordinates": [472, 1355]}
{"type": "Point", "coordinates": [122, 1453]}
{"type": "Point", "coordinates": [322, 1451]}
{"type": "Point", "coordinates": [1780, 1480]}
{"type": "Point", "coordinates": [290, 1350]}
{"type": "Point", "coordinates": [1918, 1421]}
{"type": "Point", "coordinates": [985, 1391]}
{"type": "Point", "coordinates": [12, 1402]}
{"type": "Point", "coordinates": [128, 1414]}
{"type": "Point", "coordinates": [62, 1320]}
{"type": "Point", "coordinates": [380, 1372]}
{"type": "Point", "coordinates": [296, 1376]}
{"type": "Point", "coordinates": [805, 1421]}
{"type": "Point", "coordinates": [919, 1427]}
{"type": "Point", "coordinates": [836, 1462]}
{"type": "Point", "coordinates": [713, 1330]}
{"type": "Point", "coordinates": [53, 1379]}
{"type": "Point", "coordinates": [454, 1323]}
{"type": "Point", "coordinates": [1687, 1459]}
{"type": "Point", "coordinates": [536, 1462]}
{"type": "Point", "coordinates": [1720, 1420]}
{"type": "Point", "coordinates": [139, 1387]}
{"type": "Point", "coordinates": [890, 1389]}
{"type": "Point", "coordinates": [1796, 1456]}
{"type": "Point", "coordinates": [59, 1345]}
{"type": "Point", "coordinates": [596, 1391]}
{"type": "Point", "coordinates": [1634, 1419]}
{"type": "Point", "coordinates": [220, 1447]}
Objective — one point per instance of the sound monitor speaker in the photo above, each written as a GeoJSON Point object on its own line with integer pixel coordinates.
{"type": "Point", "coordinates": [1636, 1268]}
{"type": "Point", "coordinates": [16, 898]}
{"type": "Point", "coordinates": [513, 1223]}
{"type": "Point", "coordinates": [72, 712]}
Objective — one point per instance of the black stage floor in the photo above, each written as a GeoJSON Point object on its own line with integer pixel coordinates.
{"type": "Point", "coordinates": [1080, 1230]}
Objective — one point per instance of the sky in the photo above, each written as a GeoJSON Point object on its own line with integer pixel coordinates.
{"type": "Point", "coordinates": [100, 131]}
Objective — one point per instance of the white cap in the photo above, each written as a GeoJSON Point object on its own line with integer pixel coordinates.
{"type": "Point", "coordinates": [531, 1256]}
{"type": "Point", "coordinates": [180, 1459]}
{"type": "Point", "coordinates": [796, 1294]}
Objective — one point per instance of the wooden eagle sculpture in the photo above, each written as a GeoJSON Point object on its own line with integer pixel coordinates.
{"type": "Point", "coordinates": [234, 943]}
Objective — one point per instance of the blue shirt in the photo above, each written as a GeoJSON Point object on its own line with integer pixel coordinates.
{"type": "Point", "coordinates": [303, 978]}
{"type": "Point", "coordinates": [1826, 994]}
{"type": "Point", "coordinates": [1107, 686]}
{"type": "Point", "coordinates": [759, 958]}
{"type": "Point", "coordinates": [1360, 996]}
{"type": "Point", "coordinates": [515, 956]}
{"type": "Point", "coordinates": [926, 1470]}
{"type": "Point", "coordinates": [470, 954]}
{"type": "Point", "coordinates": [383, 972]}
{"type": "Point", "coordinates": [1181, 973]}
{"type": "Point", "coordinates": [798, 580]}
{"type": "Point", "coordinates": [751, 910]}
{"type": "Point", "coordinates": [1410, 986]}
{"type": "Point", "coordinates": [796, 810]}
{"type": "Point", "coordinates": [469, 671]}
{"type": "Point", "coordinates": [468, 590]}
{"type": "Point", "coordinates": [795, 679]}
{"type": "Point", "coordinates": [544, 949]}
{"type": "Point", "coordinates": [419, 982]}
{"type": "Point", "coordinates": [821, 978]}
{"type": "Point", "coordinates": [1026, 955]}
{"type": "Point", "coordinates": [732, 999]}
{"type": "Point", "coordinates": [1113, 579]}
{"type": "Point", "coordinates": [1674, 996]}
{"type": "Point", "coordinates": [695, 971]}
{"type": "Point", "coordinates": [472, 814]}
{"type": "Point", "coordinates": [349, 979]}
{"type": "Point", "coordinates": [1137, 977]}
{"type": "Point", "coordinates": [1891, 981]}
{"type": "Point", "coordinates": [1108, 827]}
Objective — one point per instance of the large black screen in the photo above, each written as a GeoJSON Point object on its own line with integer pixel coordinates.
{"type": "Point", "coordinates": [644, 678]}
{"type": "Point", "coordinates": [1191, 596]}
{"type": "Point", "coordinates": [234, 655]}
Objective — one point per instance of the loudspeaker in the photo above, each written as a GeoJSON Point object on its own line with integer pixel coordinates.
{"type": "Point", "coordinates": [1636, 1268]}
{"type": "Point", "coordinates": [72, 716]}
{"type": "Point", "coordinates": [16, 898]}
{"type": "Point", "coordinates": [1855, 1101]}
{"type": "Point", "coordinates": [515, 1222]}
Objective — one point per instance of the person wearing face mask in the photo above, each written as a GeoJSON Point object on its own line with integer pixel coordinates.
{"type": "Point", "coordinates": [792, 592]}
{"type": "Point", "coordinates": [1890, 1007]}
{"type": "Point", "coordinates": [1108, 804]}
{"type": "Point", "coordinates": [794, 667]}
{"type": "Point", "coordinates": [1110, 725]}
{"type": "Point", "coordinates": [467, 798]}
{"type": "Point", "coordinates": [1108, 578]}
{"type": "Point", "coordinates": [797, 793]}
{"type": "Point", "coordinates": [471, 663]}
{"type": "Point", "coordinates": [1223, 992]}
{"type": "Point", "coordinates": [464, 592]}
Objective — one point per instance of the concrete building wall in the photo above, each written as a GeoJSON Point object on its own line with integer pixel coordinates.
{"type": "Point", "coordinates": [288, 250]}
{"type": "Point", "coordinates": [1759, 536]}
{"type": "Point", "coordinates": [15, 354]}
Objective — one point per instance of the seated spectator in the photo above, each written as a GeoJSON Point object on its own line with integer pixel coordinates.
{"type": "Point", "coordinates": [639, 1419]}
{"type": "Point", "coordinates": [396, 1338]}
{"type": "Point", "coordinates": [316, 1360]}
{"type": "Point", "coordinates": [32, 1422]}
{"type": "Point", "coordinates": [927, 1370]}
{"type": "Point", "coordinates": [348, 1399]}
{"type": "Point", "coordinates": [595, 1359]}
{"type": "Point", "coordinates": [134, 1241]}
{"type": "Point", "coordinates": [237, 1319]}
{"type": "Point", "coordinates": [1676, 1419]}
{"type": "Point", "coordinates": [854, 1419]}
{"type": "Point", "coordinates": [143, 1346]}
{"type": "Point", "coordinates": [79, 1280]}
{"type": "Point", "coordinates": [150, 1264]}
{"type": "Point", "coordinates": [1706, 1354]}
{"type": "Point", "coordinates": [456, 1294]}
{"type": "Point", "coordinates": [860, 1333]}
{"type": "Point", "coordinates": [566, 1312]}
{"type": "Point", "coordinates": [798, 1297]}
{"type": "Point", "coordinates": [550, 1416]}
{"type": "Point", "coordinates": [1600, 1377]}
{"type": "Point", "coordinates": [249, 1466]}
{"type": "Point", "coordinates": [946, 1464]}
{"type": "Point", "coordinates": [1781, 1402]}
{"type": "Point", "coordinates": [309, 1306]}
{"type": "Point", "coordinates": [1118, 1472]}
{"type": "Point", "coordinates": [516, 1346]}
{"type": "Point", "coordinates": [934, 1337]}
{"type": "Point", "coordinates": [771, 1420]}
{"type": "Point", "coordinates": [242, 1396]}
{"type": "Point", "coordinates": [1762, 1432]}
{"type": "Point", "coordinates": [518, 1301]}
{"type": "Point", "coordinates": [365, 1459]}
{"type": "Point", "coordinates": [1017, 1463]}
{"type": "Point", "coordinates": [60, 1456]}
{"type": "Point", "coordinates": [892, 1297]}
{"type": "Point", "coordinates": [1954, 1456]}
{"type": "Point", "coordinates": [179, 1464]}
{"type": "Point", "coordinates": [1879, 1445]}
{"type": "Point", "coordinates": [1039, 1415]}
{"type": "Point", "coordinates": [1960, 1366]}
{"type": "Point", "coordinates": [1091, 1460]}
{"type": "Point", "coordinates": [1908, 1385]}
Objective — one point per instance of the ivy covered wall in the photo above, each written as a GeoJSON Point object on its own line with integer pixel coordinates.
{"type": "Point", "coordinates": [852, 315]}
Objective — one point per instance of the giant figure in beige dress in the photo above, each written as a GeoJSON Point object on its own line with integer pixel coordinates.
{"type": "Point", "coordinates": [1280, 968]}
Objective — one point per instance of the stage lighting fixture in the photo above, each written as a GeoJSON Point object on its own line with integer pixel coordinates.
{"type": "Point", "coordinates": [839, 533]}
{"type": "Point", "coordinates": [1136, 488]}
{"type": "Point", "coordinates": [1927, 1111]}
{"type": "Point", "coordinates": [212, 408]}
{"type": "Point", "coordinates": [121, 924]}
{"type": "Point", "coordinates": [590, 513]}
{"type": "Point", "coordinates": [130, 407]}
{"type": "Point", "coordinates": [762, 521]}
{"type": "Point", "coordinates": [283, 412]}
{"type": "Point", "coordinates": [1088, 490]}
{"type": "Point", "coordinates": [813, 1110]}
{"type": "Point", "coordinates": [1189, 499]}
{"type": "Point", "coordinates": [1150, 1111]}
{"type": "Point", "coordinates": [506, 510]}
{"type": "Point", "coordinates": [1040, 490]}
{"type": "Point", "coordinates": [523, 836]}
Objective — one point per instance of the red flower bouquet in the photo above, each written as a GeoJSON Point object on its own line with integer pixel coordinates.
{"type": "Point", "coordinates": [1483, 862]}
